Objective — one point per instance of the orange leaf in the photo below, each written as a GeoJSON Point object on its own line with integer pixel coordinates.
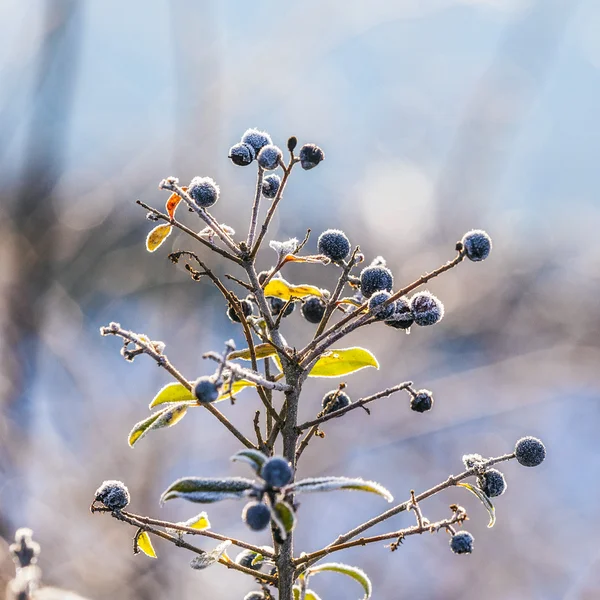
{"type": "Point", "coordinates": [173, 202]}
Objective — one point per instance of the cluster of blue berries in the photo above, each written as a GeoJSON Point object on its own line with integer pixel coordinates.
{"type": "Point", "coordinates": [252, 142]}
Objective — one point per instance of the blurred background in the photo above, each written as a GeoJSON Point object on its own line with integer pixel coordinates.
{"type": "Point", "coordinates": [436, 116]}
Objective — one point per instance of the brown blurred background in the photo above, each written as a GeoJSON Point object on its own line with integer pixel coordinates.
{"type": "Point", "coordinates": [436, 117]}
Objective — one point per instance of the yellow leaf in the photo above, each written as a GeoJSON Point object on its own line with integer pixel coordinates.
{"type": "Point", "coordinates": [236, 388]}
{"type": "Point", "coordinates": [280, 288]}
{"type": "Point", "coordinates": [172, 392]}
{"type": "Point", "coordinates": [166, 417]}
{"type": "Point", "coordinates": [145, 545]}
{"type": "Point", "coordinates": [336, 363]}
{"type": "Point", "coordinates": [261, 350]}
{"type": "Point", "coordinates": [200, 522]}
{"type": "Point", "coordinates": [157, 236]}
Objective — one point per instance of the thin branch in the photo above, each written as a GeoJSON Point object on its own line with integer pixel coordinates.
{"type": "Point", "coordinates": [304, 443]}
{"type": "Point", "coordinates": [255, 207]}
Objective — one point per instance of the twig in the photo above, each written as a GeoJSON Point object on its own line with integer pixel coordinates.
{"type": "Point", "coordinates": [255, 207]}
{"type": "Point", "coordinates": [304, 443]}
{"type": "Point", "coordinates": [259, 437]}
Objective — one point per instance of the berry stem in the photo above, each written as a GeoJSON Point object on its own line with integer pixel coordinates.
{"type": "Point", "coordinates": [255, 207]}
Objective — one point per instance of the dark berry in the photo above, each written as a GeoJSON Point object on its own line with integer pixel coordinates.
{"type": "Point", "coordinates": [256, 139]}
{"type": "Point", "coordinates": [256, 515]}
{"type": "Point", "coordinates": [255, 596]}
{"type": "Point", "coordinates": [335, 400]}
{"type": "Point", "coordinates": [402, 317]}
{"type": "Point", "coordinates": [292, 143]}
{"type": "Point", "coordinates": [426, 309]}
{"type": "Point", "coordinates": [313, 309]}
{"type": "Point", "coordinates": [377, 308]}
{"type": "Point", "coordinates": [270, 185]}
{"type": "Point", "coordinates": [310, 156]}
{"type": "Point", "coordinates": [113, 494]}
{"type": "Point", "coordinates": [203, 191]}
{"type": "Point", "coordinates": [462, 543]}
{"type": "Point", "coordinates": [492, 483]}
{"type": "Point", "coordinates": [375, 279]}
{"type": "Point", "coordinates": [242, 154]}
{"type": "Point", "coordinates": [205, 389]}
{"type": "Point", "coordinates": [477, 244]}
{"type": "Point", "coordinates": [246, 557]}
{"type": "Point", "coordinates": [422, 401]}
{"type": "Point", "coordinates": [269, 156]}
{"type": "Point", "coordinates": [246, 309]}
{"type": "Point", "coordinates": [334, 244]}
{"type": "Point", "coordinates": [276, 472]}
{"type": "Point", "coordinates": [277, 305]}
{"type": "Point", "coordinates": [530, 451]}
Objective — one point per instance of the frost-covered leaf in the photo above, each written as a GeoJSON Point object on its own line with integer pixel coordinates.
{"type": "Point", "coordinates": [173, 203]}
{"type": "Point", "coordinates": [142, 542]}
{"type": "Point", "coordinates": [255, 458]}
{"type": "Point", "coordinates": [167, 417]}
{"type": "Point", "coordinates": [354, 572]}
{"type": "Point", "coordinates": [207, 559]}
{"type": "Point", "coordinates": [284, 518]}
{"type": "Point", "coordinates": [206, 490]}
{"type": "Point", "coordinates": [199, 522]}
{"type": "Point", "coordinates": [233, 390]}
{"type": "Point", "coordinates": [172, 392]}
{"type": "Point", "coordinates": [157, 236]}
{"type": "Point", "coordinates": [336, 363]}
{"type": "Point", "coordinates": [261, 351]}
{"type": "Point", "coordinates": [284, 248]}
{"type": "Point", "coordinates": [484, 500]}
{"type": "Point", "coordinates": [280, 288]}
{"type": "Point", "coordinates": [330, 484]}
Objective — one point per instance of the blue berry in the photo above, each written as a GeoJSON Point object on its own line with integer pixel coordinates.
{"type": "Point", "coordinates": [203, 191]}
{"type": "Point", "coordinates": [255, 596]}
{"type": "Point", "coordinates": [256, 139]}
{"type": "Point", "coordinates": [246, 557]}
{"type": "Point", "coordinates": [422, 401]}
{"type": "Point", "coordinates": [276, 472]}
{"type": "Point", "coordinates": [113, 494]}
{"type": "Point", "coordinates": [269, 156]}
{"type": "Point", "coordinates": [492, 483]}
{"type": "Point", "coordinates": [334, 244]}
{"type": "Point", "coordinates": [375, 279]}
{"type": "Point", "coordinates": [310, 156]}
{"type": "Point", "coordinates": [335, 400]}
{"type": "Point", "coordinates": [270, 186]}
{"type": "Point", "coordinates": [313, 309]}
{"type": "Point", "coordinates": [462, 543]}
{"type": "Point", "coordinates": [277, 305]}
{"type": "Point", "coordinates": [402, 317]}
{"type": "Point", "coordinates": [246, 309]}
{"type": "Point", "coordinates": [377, 308]}
{"type": "Point", "coordinates": [530, 451]}
{"type": "Point", "coordinates": [205, 389]}
{"type": "Point", "coordinates": [242, 154]}
{"type": "Point", "coordinates": [477, 244]}
{"type": "Point", "coordinates": [426, 309]}
{"type": "Point", "coordinates": [256, 515]}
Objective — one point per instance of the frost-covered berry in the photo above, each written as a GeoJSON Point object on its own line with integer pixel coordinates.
{"type": "Point", "coordinates": [113, 494]}
{"type": "Point", "coordinates": [269, 156]}
{"type": "Point", "coordinates": [310, 156]}
{"type": "Point", "coordinates": [375, 279]}
{"type": "Point", "coordinates": [277, 305]}
{"type": "Point", "coordinates": [530, 451]}
{"type": "Point", "coordinates": [246, 557]}
{"type": "Point", "coordinates": [470, 460]}
{"type": "Point", "coordinates": [246, 309]}
{"type": "Point", "coordinates": [313, 309]}
{"type": "Point", "coordinates": [334, 244]}
{"type": "Point", "coordinates": [257, 139]}
{"type": "Point", "coordinates": [276, 472]}
{"type": "Point", "coordinates": [203, 191]}
{"type": "Point", "coordinates": [242, 154]}
{"type": "Point", "coordinates": [270, 185]}
{"type": "Point", "coordinates": [335, 400]}
{"type": "Point", "coordinates": [205, 389]}
{"type": "Point", "coordinates": [422, 401]}
{"type": "Point", "coordinates": [492, 483]}
{"type": "Point", "coordinates": [402, 317]}
{"type": "Point", "coordinates": [255, 596]}
{"type": "Point", "coordinates": [377, 308]}
{"type": "Point", "coordinates": [426, 308]}
{"type": "Point", "coordinates": [256, 515]}
{"type": "Point", "coordinates": [462, 543]}
{"type": "Point", "coordinates": [477, 244]}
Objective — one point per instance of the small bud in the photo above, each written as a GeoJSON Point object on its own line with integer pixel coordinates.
{"type": "Point", "coordinates": [335, 400]}
{"type": "Point", "coordinates": [492, 483]}
{"type": "Point", "coordinates": [402, 317]}
{"type": "Point", "coordinates": [277, 305]}
{"type": "Point", "coordinates": [530, 451]}
{"type": "Point", "coordinates": [205, 389]}
{"type": "Point", "coordinates": [242, 154]}
{"type": "Point", "coordinates": [470, 460]}
{"type": "Point", "coordinates": [151, 217]}
{"type": "Point", "coordinates": [313, 309]}
{"type": "Point", "coordinates": [270, 186]}
{"type": "Point", "coordinates": [462, 543]}
{"type": "Point", "coordinates": [203, 191]}
{"type": "Point", "coordinates": [277, 472]}
{"type": "Point", "coordinates": [246, 309]}
{"type": "Point", "coordinates": [113, 494]}
{"type": "Point", "coordinates": [256, 515]}
{"type": "Point", "coordinates": [477, 245]}
{"type": "Point", "coordinates": [422, 401]}
{"type": "Point", "coordinates": [377, 308]}
{"type": "Point", "coordinates": [292, 143]}
{"type": "Point", "coordinates": [334, 244]}
{"type": "Point", "coordinates": [426, 309]}
{"type": "Point", "coordinates": [257, 139]}
{"type": "Point", "coordinates": [310, 156]}
{"type": "Point", "coordinates": [269, 156]}
{"type": "Point", "coordinates": [375, 279]}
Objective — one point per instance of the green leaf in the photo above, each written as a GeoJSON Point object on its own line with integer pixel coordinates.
{"type": "Point", "coordinates": [484, 500]}
{"type": "Point", "coordinates": [330, 484]}
{"type": "Point", "coordinates": [142, 542]}
{"type": "Point", "coordinates": [163, 418]}
{"type": "Point", "coordinates": [336, 363]}
{"type": "Point", "coordinates": [207, 559]}
{"type": "Point", "coordinates": [237, 386]}
{"type": "Point", "coordinates": [255, 458]}
{"type": "Point", "coordinates": [205, 490]}
{"type": "Point", "coordinates": [284, 518]}
{"type": "Point", "coordinates": [354, 572]}
{"type": "Point", "coordinates": [172, 392]}
{"type": "Point", "coordinates": [309, 595]}
{"type": "Point", "coordinates": [280, 288]}
{"type": "Point", "coordinates": [261, 351]}
{"type": "Point", "coordinates": [157, 236]}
